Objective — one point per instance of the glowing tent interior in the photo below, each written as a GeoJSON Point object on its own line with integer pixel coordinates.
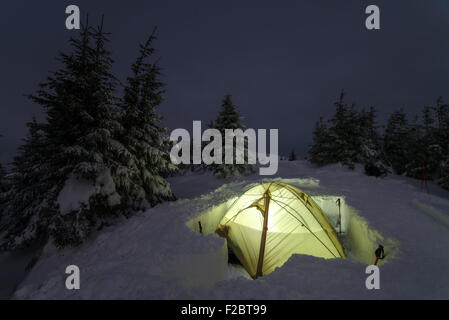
{"type": "Point", "coordinates": [272, 221]}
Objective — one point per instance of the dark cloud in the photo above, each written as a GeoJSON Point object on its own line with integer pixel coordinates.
{"type": "Point", "coordinates": [284, 61]}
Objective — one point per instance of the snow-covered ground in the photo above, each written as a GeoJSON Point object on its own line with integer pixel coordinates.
{"type": "Point", "coordinates": [159, 255]}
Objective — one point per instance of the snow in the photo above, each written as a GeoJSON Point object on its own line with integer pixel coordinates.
{"type": "Point", "coordinates": [78, 191]}
{"type": "Point", "coordinates": [74, 193]}
{"type": "Point", "coordinates": [438, 216]}
{"type": "Point", "coordinates": [159, 254]}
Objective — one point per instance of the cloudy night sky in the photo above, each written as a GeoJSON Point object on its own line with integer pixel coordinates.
{"type": "Point", "coordinates": [284, 62]}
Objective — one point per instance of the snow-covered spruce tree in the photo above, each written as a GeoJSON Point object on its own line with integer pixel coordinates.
{"type": "Point", "coordinates": [339, 142]}
{"type": "Point", "coordinates": [420, 144]}
{"type": "Point", "coordinates": [419, 148]}
{"type": "Point", "coordinates": [429, 145]}
{"type": "Point", "coordinates": [425, 150]}
{"type": "Point", "coordinates": [442, 139]}
{"type": "Point", "coordinates": [2, 193]}
{"type": "Point", "coordinates": [3, 190]}
{"type": "Point", "coordinates": [321, 150]}
{"type": "Point", "coordinates": [2, 178]}
{"type": "Point", "coordinates": [442, 114]}
{"type": "Point", "coordinates": [30, 202]}
{"type": "Point", "coordinates": [3, 186]}
{"type": "Point", "coordinates": [91, 153]}
{"type": "Point", "coordinates": [228, 118]}
{"type": "Point", "coordinates": [81, 153]}
{"type": "Point", "coordinates": [345, 133]}
{"type": "Point", "coordinates": [397, 141]}
{"type": "Point", "coordinates": [443, 180]}
{"type": "Point", "coordinates": [148, 161]}
{"type": "Point", "coordinates": [350, 137]}
{"type": "Point", "coordinates": [416, 150]}
{"type": "Point", "coordinates": [371, 148]}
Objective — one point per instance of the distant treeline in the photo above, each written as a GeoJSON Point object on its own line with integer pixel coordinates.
{"type": "Point", "coordinates": [413, 147]}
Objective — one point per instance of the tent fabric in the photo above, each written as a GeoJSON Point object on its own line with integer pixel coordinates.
{"type": "Point", "coordinates": [296, 224]}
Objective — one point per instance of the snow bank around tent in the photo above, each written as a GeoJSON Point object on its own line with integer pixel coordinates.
{"type": "Point", "coordinates": [159, 254]}
{"type": "Point", "coordinates": [358, 238]}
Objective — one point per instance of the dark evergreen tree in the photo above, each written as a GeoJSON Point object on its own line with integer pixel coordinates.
{"type": "Point", "coordinates": [431, 151]}
{"type": "Point", "coordinates": [345, 133]}
{"type": "Point", "coordinates": [30, 202]}
{"type": "Point", "coordinates": [228, 118]}
{"type": "Point", "coordinates": [148, 160]}
{"type": "Point", "coordinates": [3, 182]}
{"type": "Point", "coordinates": [443, 180]}
{"type": "Point", "coordinates": [371, 148]}
{"type": "Point", "coordinates": [2, 179]}
{"type": "Point", "coordinates": [415, 159]}
{"type": "Point", "coordinates": [442, 140]}
{"type": "Point", "coordinates": [90, 148]}
{"type": "Point", "coordinates": [292, 156]}
{"type": "Point", "coordinates": [4, 186]}
{"type": "Point", "coordinates": [321, 150]}
{"type": "Point", "coordinates": [428, 121]}
{"type": "Point", "coordinates": [397, 141]}
{"type": "Point", "coordinates": [79, 145]}
{"type": "Point", "coordinates": [350, 137]}
{"type": "Point", "coordinates": [421, 145]}
{"type": "Point", "coordinates": [410, 148]}
{"type": "Point", "coordinates": [414, 147]}
{"type": "Point", "coordinates": [442, 111]}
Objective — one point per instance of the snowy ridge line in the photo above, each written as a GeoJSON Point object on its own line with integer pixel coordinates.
{"type": "Point", "coordinates": [430, 211]}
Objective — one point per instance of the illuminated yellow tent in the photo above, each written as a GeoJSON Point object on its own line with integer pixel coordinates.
{"type": "Point", "coordinates": [272, 221]}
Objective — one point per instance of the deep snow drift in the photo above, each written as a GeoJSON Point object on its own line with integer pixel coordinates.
{"type": "Point", "coordinates": [159, 254]}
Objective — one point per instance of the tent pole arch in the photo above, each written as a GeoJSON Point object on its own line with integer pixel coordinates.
{"type": "Point", "coordinates": [297, 218]}
{"type": "Point", "coordinates": [263, 238]}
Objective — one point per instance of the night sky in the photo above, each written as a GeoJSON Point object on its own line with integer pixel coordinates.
{"type": "Point", "coordinates": [284, 62]}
